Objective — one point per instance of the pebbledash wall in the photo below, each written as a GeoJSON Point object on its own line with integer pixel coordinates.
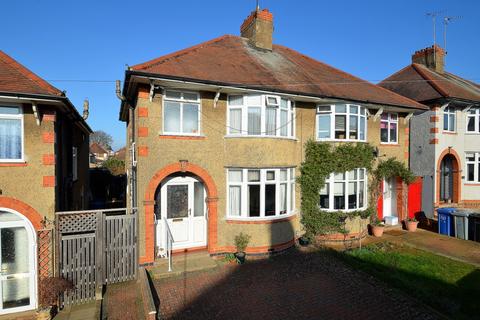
{"type": "Point", "coordinates": [208, 157]}
{"type": "Point", "coordinates": [427, 153]}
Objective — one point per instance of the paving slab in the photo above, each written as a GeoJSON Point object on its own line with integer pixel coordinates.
{"type": "Point", "coordinates": [86, 311]}
{"type": "Point", "coordinates": [182, 263]}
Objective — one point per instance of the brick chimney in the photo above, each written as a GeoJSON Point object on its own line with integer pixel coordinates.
{"type": "Point", "coordinates": [432, 57]}
{"type": "Point", "coordinates": [258, 28]}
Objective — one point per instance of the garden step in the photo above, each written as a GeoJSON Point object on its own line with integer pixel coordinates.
{"type": "Point", "coordinates": [182, 263]}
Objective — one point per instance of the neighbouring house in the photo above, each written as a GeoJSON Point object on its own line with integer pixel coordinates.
{"type": "Point", "coordinates": [445, 140]}
{"type": "Point", "coordinates": [218, 133]}
{"type": "Point", "coordinates": [120, 154]}
{"type": "Point", "coordinates": [98, 154]}
{"type": "Point", "coordinates": [43, 169]}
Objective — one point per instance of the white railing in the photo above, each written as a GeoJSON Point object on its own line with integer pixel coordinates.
{"type": "Point", "coordinates": [168, 243]}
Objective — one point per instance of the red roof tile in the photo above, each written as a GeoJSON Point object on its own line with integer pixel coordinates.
{"type": "Point", "coordinates": [14, 77]}
{"type": "Point", "coordinates": [97, 149]}
{"type": "Point", "coordinates": [232, 60]}
{"type": "Point", "coordinates": [420, 83]}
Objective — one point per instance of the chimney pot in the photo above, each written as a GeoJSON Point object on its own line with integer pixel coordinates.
{"type": "Point", "coordinates": [258, 28]}
{"type": "Point", "coordinates": [432, 57]}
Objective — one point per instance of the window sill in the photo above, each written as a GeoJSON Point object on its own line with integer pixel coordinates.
{"type": "Point", "coordinates": [261, 137]}
{"type": "Point", "coordinates": [472, 133]}
{"type": "Point", "coordinates": [343, 210]}
{"type": "Point", "coordinates": [340, 140]}
{"type": "Point", "coordinates": [13, 164]}
{"type": "Point", "coordinates": [449, 133]}
{"type": "Point", "coordinates": [262, 220]}
{"type": "Point", "coordinates": [383, 144]}
{"type": "Point", "coordinates": [181, 137]}
{"type": "Point", "coordinates": [472, 184]}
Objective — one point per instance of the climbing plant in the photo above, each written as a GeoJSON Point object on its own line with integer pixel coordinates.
{"type": "Point", "coordinates": [321, 159]}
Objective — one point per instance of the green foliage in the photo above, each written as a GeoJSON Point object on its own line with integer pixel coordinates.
{"type": "Point", "coordinates": [321, 159]}
{"type": "Point", "coordinates": [114, 165]}
{"type": "Point", "coordinates": [241, 241]}
{"type": "Point", "coordinates": [393, 168]}
{"type": "Point", "coordinates": [229, 257]}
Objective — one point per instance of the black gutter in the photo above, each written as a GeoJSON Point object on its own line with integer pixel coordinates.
{"type": "Point", "coordinates": [130, 73]}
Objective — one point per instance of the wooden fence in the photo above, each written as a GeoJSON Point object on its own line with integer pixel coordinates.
{"type": "Point", "coordinates": [94, 248]}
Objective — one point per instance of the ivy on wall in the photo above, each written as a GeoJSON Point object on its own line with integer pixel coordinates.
{"type": "Point", "coordinates": [321, 159]}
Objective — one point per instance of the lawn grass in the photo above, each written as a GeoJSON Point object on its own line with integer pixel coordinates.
{"type": "Point", "coordinates": [449, 286]}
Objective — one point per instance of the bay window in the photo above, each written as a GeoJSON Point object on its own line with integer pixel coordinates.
{"type": "Point", "coordinates": [473, 167]}
{"type": "Point", "coordinates": [473, 120]}
{"type": "Point", "coordinates": [341, 122]}
{"type": "Point", "coordinates": [449, 119]}
{"type": "Point", "coordinates": [344, 191]}
{"type": "Point", "coordinates": [260, 115]}
{"type": "Point", "coordinates": [260, 193]}
{"type": "Point", "coordinates": [181, 113]}
{"type": "Point", "coordinates": [11, 133]}
{"type": "Point", "coordinates": [389, 128]}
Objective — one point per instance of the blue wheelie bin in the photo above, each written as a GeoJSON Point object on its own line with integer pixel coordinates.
{"type": "Point", "coordinates": [445, 221]}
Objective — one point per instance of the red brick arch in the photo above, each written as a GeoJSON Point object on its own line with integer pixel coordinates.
{"type": "Point", "coordinates": [457, 175]}
{"type": "Point", "coordinates": [24, 209]}
{"type": "Point", "coordinates": [212, 200]}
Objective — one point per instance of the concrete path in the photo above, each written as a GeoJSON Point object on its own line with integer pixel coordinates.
{"type": "Point", "coordinates": [87, 311]}
{"type": "Point", "coordinates": [456, 249]}
{"type": "Point", "coordinates": [182, 263]}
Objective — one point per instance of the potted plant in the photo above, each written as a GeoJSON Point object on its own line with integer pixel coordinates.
{"type": "Point", "coordinates": [50, 289]}
{"type": "Point", "coordinates": [377, 227]}
{"type": "Point", "coordinates": [412, 224]}
{"type": "Point", "coordinates": [303, 241]}
{"type": "Point", "coordinates": [241, 242]}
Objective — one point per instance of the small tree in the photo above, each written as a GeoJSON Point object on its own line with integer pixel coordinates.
{"type": "Point", "coordinates": [102, 138]}
{"type": "Point", "coordinates": [114, 165]}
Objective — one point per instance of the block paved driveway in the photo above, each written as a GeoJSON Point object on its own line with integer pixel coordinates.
{"type": "Point", "coordinates": [293, 285]}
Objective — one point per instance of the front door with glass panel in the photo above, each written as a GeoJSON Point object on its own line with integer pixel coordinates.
{"type": "Point", "coordinates": [389, 197]}
{"type": "Point", "coordinates": [17, 272]}
{"type": "Point", "coordinates": [183, 204]}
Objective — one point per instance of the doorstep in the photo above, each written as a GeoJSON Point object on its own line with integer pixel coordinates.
{"type": "Point", "coordinates": [182, 263]}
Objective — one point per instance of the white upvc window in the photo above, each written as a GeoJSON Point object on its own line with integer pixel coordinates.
{"type": "Point", "coordinates": [449, 119]}
{"type": "Point", "coordinates": [260, 193]}
{"type": "Point", "coordinates": [473, 167]}
{"type": "Point", "coordinates": [260, 115]}
{"type": "Point", "coordinates": [181, 113]}
{"type": "Point", "coordinates": [389, 128]}
{"type": "Point", "coordinates": [345, 191]}
{"type": "Point", "coordinates": [11, 133]}
{"type": "Point", "coordinates": [473, 120]}
{"type": "Point", "coordinates": [341, 122]}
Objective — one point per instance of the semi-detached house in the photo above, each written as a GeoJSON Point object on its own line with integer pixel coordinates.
{"type": "Point", "coordinates": [216, 134]}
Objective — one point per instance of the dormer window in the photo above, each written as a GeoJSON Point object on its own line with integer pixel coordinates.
{"type": "Point", "coordinates": [341, 122]}
{"type": "Point", "coordinates": [260, 115]}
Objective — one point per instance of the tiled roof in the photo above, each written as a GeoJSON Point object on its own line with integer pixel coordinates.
{"type": "Point", "coordinates": [231, 60]}
{"type": "Point", "coordinates": [420, 83]}
{"type": "Point", "coordinates": [97, 149]}
{"type": "Point", "coordinates": [16, 78]}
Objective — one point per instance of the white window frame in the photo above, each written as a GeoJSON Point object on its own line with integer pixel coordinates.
{"type": "Point", "coordinates": [332, 113]}
{"type": "Point", "coordinates": [476, 119]}
{"type": "Point", "coordinates": [182, 100]}
{"type": "Point", "coordinates": [448, 111]}
{"type": "Point", "coordinates": [389, 121]}
{"type": "Point", "coordinates": [74, 163]}
{"type": "Point", "coordinates": [331, 188]}
{"type": "Point", "coordinates": [290, 182]}
{"type": "Point", "coordinates": [476, 167]}
{"type": "Point", "coordinates": [20, 117]}
{"type": "Point", "coordinates": [264, 104]}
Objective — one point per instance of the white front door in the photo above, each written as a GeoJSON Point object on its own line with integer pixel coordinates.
{"type": "Point", "coordinates": [183, 204]}
{"type": "Point", "coordinates": [389, 197]}
{"type": "Point", "coordinates": [17, 264]}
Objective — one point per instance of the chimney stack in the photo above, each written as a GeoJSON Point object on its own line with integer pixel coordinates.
{"type": "Point", "coordinates": [258, 28]}
{"type": "Point", "coordinates": [432, 57]}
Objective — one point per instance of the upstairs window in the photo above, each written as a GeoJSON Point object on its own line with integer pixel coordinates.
{"type": "Point", "coordinates": [341, 122]}
{"type": "Point", "coordinates": [473, 120]}
{"type": "Point", "coordinates": [473, 167]}
{"type": "Point", "coordinates": [449, 119]}
{"type": "Point", "coordinates": [11, 133]}
{"type": "Point", "coordinates": [181, 113]}
{"type": "Point", "coordinates": [389, 128]}
{"type": "Point", "coordinates": [260, 115]}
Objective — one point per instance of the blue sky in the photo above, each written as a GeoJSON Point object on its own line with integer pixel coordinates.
{"type": "Point", "coordinates": [65, 41]}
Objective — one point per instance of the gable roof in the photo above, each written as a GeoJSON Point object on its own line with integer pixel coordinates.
{"type": "Point", "coordinates": [231, 60]}
{"type": "Point", "coordinates": [15, 77]}
{"type": "Point", "coordinates": [97, 149]}
{"type": "Point", "coordinates": [420, 83]}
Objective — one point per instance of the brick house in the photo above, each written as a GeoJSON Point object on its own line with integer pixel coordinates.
{"type": "Point", "coordinates": [43, 169]}
{"type": "Point", "coordinates": [217, 134]}
{"type": "Point", "coordinates": [445, 140]}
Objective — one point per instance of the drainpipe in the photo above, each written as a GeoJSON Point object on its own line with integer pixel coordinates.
{"type": "Point", "coordinates": [133, 171]}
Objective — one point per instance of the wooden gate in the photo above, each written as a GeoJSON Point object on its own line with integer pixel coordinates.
{"type": "Point", "coordinates": [94, 248]}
